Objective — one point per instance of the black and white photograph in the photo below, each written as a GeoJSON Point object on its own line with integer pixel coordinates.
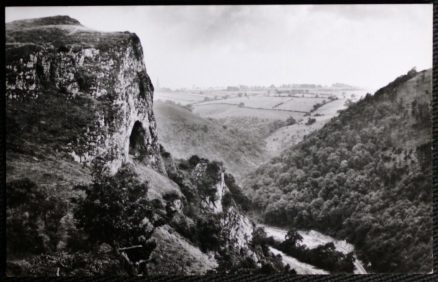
{"type": "Point", "coordinates": [218, 139]}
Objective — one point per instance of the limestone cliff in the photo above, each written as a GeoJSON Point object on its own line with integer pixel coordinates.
{"type": "Point", "coordinates": [57, 60]}
{"type": "Point", "coordinates": [205, 190]}
{"type": "Point", "coordinates": [79, 103]}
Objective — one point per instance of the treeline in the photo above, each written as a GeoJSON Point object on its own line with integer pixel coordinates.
{"type": "Point", "coordinates": [364, 177]}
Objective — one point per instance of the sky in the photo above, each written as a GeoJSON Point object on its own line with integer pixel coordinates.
{"type": "Point", "coordinates": [209, 46]}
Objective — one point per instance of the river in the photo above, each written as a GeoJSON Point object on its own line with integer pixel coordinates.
{"type": "Point", "coordinates": [311, 239]}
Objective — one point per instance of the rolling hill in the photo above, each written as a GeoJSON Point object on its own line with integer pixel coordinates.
{"type": "Point", "coordinates": [184, 134]}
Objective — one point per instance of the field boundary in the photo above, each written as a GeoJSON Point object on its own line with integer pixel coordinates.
{"type": "Point", "coordinates": [254, 108]}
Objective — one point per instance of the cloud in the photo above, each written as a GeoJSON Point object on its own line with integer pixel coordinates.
{"type": "Point", "coordinates": [366, 45]}
{"type": "Point", "coordinates": [361, 12]}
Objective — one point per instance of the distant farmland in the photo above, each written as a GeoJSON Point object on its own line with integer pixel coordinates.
{"type": "Point", "coordinates": [222, 110]}
{"type": "Point", "coordinates": [221, 103]}
{"type": "Point", "coordinates": [265, 114]}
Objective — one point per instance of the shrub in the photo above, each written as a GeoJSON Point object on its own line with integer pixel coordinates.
{"type": "Point", "coordinates": [33, 217]}
{"type": "Point", "coordinates": [194, 160]}
{"type": "Point", "coordinates": [227, 200]}
{"type": "Point", "coordinates": [237, 193]}
{"type": "Point", "coordinates": [114, 209]}
{"type": "Point", "coordinates": [206, 184]}
{"type": "Point", "coordinates": [209, 233]}
{"type": "Point", "coordinates": [310, 121]}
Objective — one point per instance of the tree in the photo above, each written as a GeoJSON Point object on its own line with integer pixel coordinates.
{"type": "Point", "coordinates": [310, 121]}
{"type": "Point", "coordinates": [209, 233]}
{"type": "Point", "coordinates": [293, 238]}
{"type": "Point", "coordinates": [115, 209]}
{"type": "Point", "coordinates": [33, 217]}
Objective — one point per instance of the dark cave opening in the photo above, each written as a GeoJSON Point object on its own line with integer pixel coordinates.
{"type": "Point", "coordinates": [137, 140]}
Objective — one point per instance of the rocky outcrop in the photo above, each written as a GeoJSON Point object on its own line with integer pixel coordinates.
{"type": "Point", "coordinates": [80, 99]}
{"type": "Point", "coordinates": [58, 55]}
{"type": "Point", "coordinates": [237, 228]}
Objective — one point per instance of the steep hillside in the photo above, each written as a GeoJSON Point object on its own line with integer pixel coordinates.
{"type": "Point", "coordinates": [184, 134]}
{"type": "Point", "coordinates": [365, 177]}
{"type": "Point", "coordinates": [90, 190]}
{"type": "Point", "coordinates": [77, 92]}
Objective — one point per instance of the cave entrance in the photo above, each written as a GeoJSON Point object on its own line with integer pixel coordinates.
{"type": "Point", "coordinates": [137, 140]}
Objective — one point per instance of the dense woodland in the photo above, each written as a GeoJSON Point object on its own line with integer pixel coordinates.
{"type": "Point", "coordinates": [365, 177]}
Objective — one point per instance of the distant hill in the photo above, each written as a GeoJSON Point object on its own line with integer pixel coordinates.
{"type": "Point", "coordinates": [344, 86]}
{"type": "Point", "coordinates": [184, 134]}
{"type": "Point", "coordinates": [365, 177]}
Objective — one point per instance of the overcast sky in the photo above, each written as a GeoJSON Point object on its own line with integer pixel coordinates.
{"type": "Point", "coordinates": [363, 45]}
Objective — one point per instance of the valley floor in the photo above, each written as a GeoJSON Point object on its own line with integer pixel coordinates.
{"type": "Point", "coordinates": [311, 240]}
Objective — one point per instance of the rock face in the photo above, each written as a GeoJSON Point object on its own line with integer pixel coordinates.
{"type": "Point", "coordinates": [59, 55]}
{"type": "Point", "coordinates": [237, 228]}
{"type": "Point", "coordinates": [80, 101]}
{"type": "Point", "coordinates": [213, 201]}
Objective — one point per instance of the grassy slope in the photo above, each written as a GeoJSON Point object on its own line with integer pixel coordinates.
{"type": "Point", "coordinates": [184, 134]}
{"type": "Point", "coordinates": [176, 255]}
{"type": "Point", "coordinates": [365, 176]}
{"type": "Point", "coordinates": [287, 136]}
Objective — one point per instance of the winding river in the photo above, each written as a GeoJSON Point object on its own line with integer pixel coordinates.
{"type": "Point", "coordinates": [311, 239]}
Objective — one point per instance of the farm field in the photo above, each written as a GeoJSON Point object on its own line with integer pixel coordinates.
{"type": "Point", "coordinates": [262, 114]}
{"type": "Point", "coordinates": [183, 98]}
{"type": "Point", "coordinates": [186, 97]}
{"type": "Point", "coordinates": [223, 110]}
{"type": "Point", "coordinates": [301, 104]}
{"type": "Point", "coordinates": [293, 134]}
{"type": "Point", "coordinates": [259, 101]}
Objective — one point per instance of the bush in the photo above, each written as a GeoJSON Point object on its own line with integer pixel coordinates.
{"type": "Point", "coordinates": [209, 233]}
{"type": "Point", "coordinates": [236, 192]}
{"type": "Point", "coordinates": [206, 184]}
{"type": "Point", "coordinates": [227, 200]}
{"type": "Point", "coordinates": [33, 217]}
{"type": "Point", "coordinates": [194, 160]}
{"type": "Point", "coordinates": [115, 209]}
{"type": "Point", "coordinates": [310, 121]}
{"type": "Point", "coordinates": [317, 106]}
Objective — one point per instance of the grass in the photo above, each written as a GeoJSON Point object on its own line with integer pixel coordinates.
{"type": "Point", "coordinates": [35, 130]}
{"type": "Point", "coordinates": [184, 134]}
{"type": "Point", "coordinates": [54, 172]}
{"type": "Point", "coordinates": [175, 255]}
{"type": "Point", "coordinates": [61, 34]}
